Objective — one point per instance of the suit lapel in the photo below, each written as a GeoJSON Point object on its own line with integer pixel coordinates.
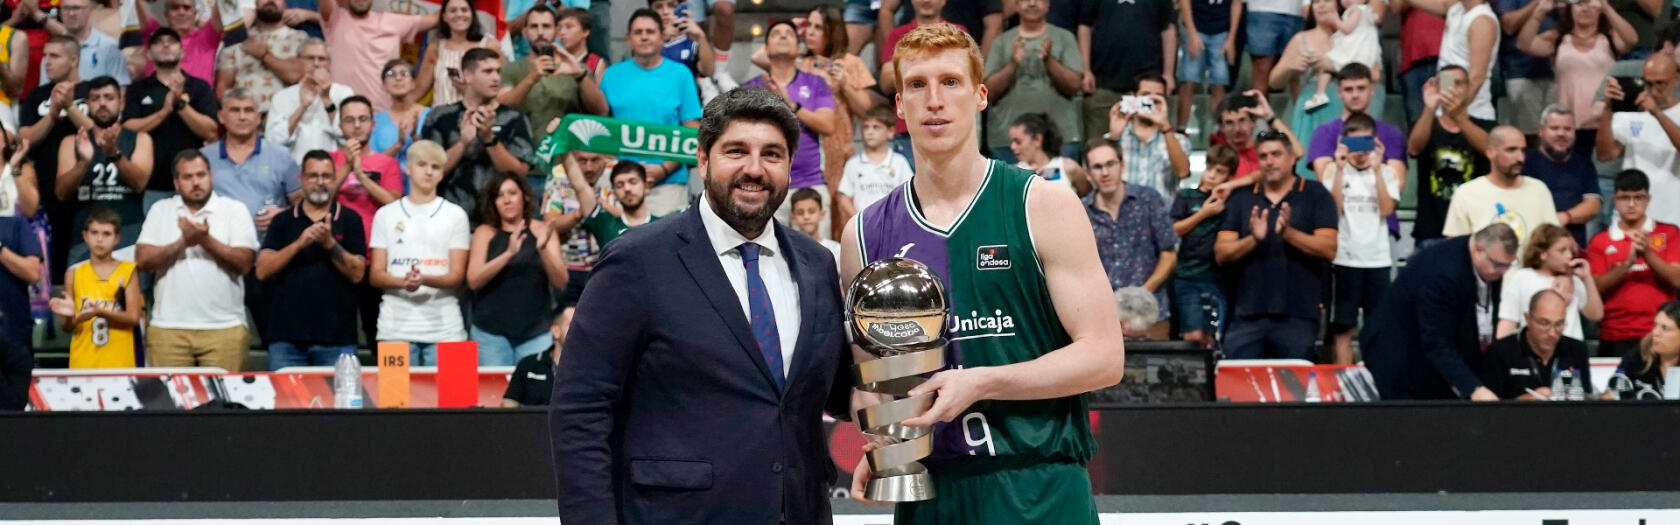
{"type": "Point", "coordinates": [800, 267]}
{"type": "Point", "coordinates": [703, 265]}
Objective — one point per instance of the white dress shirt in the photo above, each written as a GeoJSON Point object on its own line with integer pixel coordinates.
{"type": "Point", "coordinates": [772, 268]}
{"type": "Point", "coordinates": [316, 130]}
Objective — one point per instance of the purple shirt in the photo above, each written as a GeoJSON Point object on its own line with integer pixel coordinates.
{"type": "Point", "coordinates": [1325, 138]}
{"type": "Point", "coordinates": [810, 92]}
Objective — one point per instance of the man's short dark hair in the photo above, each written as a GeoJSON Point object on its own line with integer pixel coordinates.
{"type": "Point", "coordinates": [584, 19]}
{"type": "Point", "coordinates": [102, 82]}
{"type": "Point", "coordinates": [804, 194]}
{"type": "Point", "coordinates": [102, 214]}
{"type": "Point", "coordinates": [541, 8]}
{"type": "Point", "coordinates": [782, 22]}
{"type": "Point", "coordinates": [188, 155]}
{"type": "Point", "coordinates": [1271, 135]}
{"type": "Point", "coordinates": [645, 13]}
{"type": "Point", "coordinates": [355, 99]}
{"type": "Point", "coordinates": [470, 60]}
{"type": "Point", "coordinates": [1632, 180]}
{"type": "Point", "coordinates": [1355, 70]}
{"type": "Point", "coordinates": [317, 154]}
{"type": "Point", "coordinates": [1093, 144]}
{"type": "Point", "coordinates": [753, 104]}
{"type": "Point", "coordinates": [623, 167]}
{"type": "Point", "coordinates": [1148, 76]}
{"type": "Point", "coordinates": [1358, 121]}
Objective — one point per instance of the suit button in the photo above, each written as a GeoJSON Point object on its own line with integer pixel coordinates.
{"type": "Point", "coordinates": [776, 467]}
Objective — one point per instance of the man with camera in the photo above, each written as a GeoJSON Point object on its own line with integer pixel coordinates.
{"type": "Point", "coordinates": [549, 82]}
{"type": "Point", "coordinates": [1641, 120]}
{"type": "Point", "coordinates": [1155, 155]}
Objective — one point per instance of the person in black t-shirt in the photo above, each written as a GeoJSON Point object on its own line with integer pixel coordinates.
{"type": "Point", "coordinates": [310, 263]}
{"type": "Point", "coordinates": [175, 108]}
{"type": "Point", "coordinates": [1642, 373]}
{"type": "Point", "coordinates": [1448, 149]}
{"type": "Point", "coordinates": [1522, 365]}
{"type": "Point", "coordinates": [103, 164]}
{"type": "Point", "coordinates": [52, 111]}
{"type": "Point", "coordinates": [533, 377]}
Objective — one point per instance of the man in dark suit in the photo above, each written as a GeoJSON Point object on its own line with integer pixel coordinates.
{"type": "Point", "coordinates": [1424, 343]}
{"type": "Point", "coordinates": [691, 387]}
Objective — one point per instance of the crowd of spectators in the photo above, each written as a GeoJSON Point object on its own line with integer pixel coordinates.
{"type": "Point", "coordinates": [313, 181]}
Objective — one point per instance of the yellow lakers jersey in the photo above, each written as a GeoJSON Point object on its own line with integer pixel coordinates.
{"type": "Point", "coordinates": [95, 344]}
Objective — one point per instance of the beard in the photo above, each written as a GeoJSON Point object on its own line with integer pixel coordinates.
{"type": "Point", "coordinates": [1514, 170]}
{"type": "Point", "coordinates": [195, 202]}
{"type": "Point", "coordinates": [270, 14]}
{"type": "Point", "coordinates": [168, 64]}
{"type": "Point", "coordinates": [319, 196]}
{"type": "Point", "coordinates": [632, 206]}
{"type": "Point", "coordinates": [103, 119]}
{"type": "Point", "coordinates": [360, 7]}
{"type": "Point", "coordinates": [734, 215]}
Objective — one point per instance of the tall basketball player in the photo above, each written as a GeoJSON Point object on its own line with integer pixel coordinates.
{"type": "Point", "coordinates": [1033, 323]}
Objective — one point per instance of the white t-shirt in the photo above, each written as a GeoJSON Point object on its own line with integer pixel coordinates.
{"type": "Point", "coordinates": [1282, 7]}
{"type": "Point", "coordinates": [420, 235]}
{"type": "Point", "coordinates": [8, 192]}
{"type": "Point", "coordinates": [1054, 171]}
{"type": "Point", "coordinates": [1520, 285]}
{"type": "Point", "coordinates": [1455, 51]}
{"type": "Point", "coordinates": [1362, 231]}
{"type": "Point", "coordinates": [1647, 149]}
{"type": "Point", "coordinates": [196, 293]}
{"type": "Point", "coordinates": [866, 182]}
{"type": "Point", "coordinates": [1478, 203]}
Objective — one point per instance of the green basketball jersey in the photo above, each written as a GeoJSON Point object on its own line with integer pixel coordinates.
{"type": "Point", "coordinates": [1001, 313]}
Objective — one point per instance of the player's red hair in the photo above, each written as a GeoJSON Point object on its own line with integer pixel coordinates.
{"type": "Point", "coordinates": [932, 39]}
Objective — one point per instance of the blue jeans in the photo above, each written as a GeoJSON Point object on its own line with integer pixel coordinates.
{"type": "Point", "coordinates": [282, 354]}
{"type": "Point", "coordinates": [1269, 33]}
{"type": "Point", "coordinates": [422, 354]}
{"type": "Point", "coordinates": [1199, 305]}
{"type": "Point", "coordinates": [1211, 61]}
{"type": "Point", "coordinates": [1411, 86]}
{"type": "Point", "coordinates": [496, 350]}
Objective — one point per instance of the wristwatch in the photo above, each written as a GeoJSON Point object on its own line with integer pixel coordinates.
{"type": "Point", "coordinates": [331, 107]}
{"type": "Point", "coordinates": [494, 140]}
{"type": "Point", "coordinates": [180, 102]}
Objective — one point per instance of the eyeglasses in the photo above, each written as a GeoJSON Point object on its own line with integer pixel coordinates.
{"type": "Point", "coordinates": [1106, 166]}
{"type": "Point", "coordinates": [399, 73]}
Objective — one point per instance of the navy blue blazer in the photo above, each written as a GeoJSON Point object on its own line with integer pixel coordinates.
{"type": "Point", "coordinates": [663, 410]}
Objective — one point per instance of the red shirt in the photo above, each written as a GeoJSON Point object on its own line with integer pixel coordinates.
{"type": "Point", "coordinates": [886, 56]}
{"type": "Point", "coordinates": [1248, 159]}
{"type": "Point", "coordinates": [352, 195]}
{"type": "Point", "coordinates": [1631, 306]}
{"type": "Point", "coordinates": [1420, 36]}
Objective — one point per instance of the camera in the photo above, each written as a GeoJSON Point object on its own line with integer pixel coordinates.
{"type": "Point", "coordinates": [1135, 105]}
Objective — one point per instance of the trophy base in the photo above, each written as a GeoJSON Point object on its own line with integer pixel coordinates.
{"type": "Point", "coordinates": [902, 488]}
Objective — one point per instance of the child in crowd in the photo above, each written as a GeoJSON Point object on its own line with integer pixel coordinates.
{"type": "Point", "coordinates": [418, 255]}
{"type": "Point", "coordinates": [101, 303]}
{"type": "Point", "coordinates": [874, 171]}
{"type": "Point", "coordinates": [1355, 40]}
{"type": "Point", "coordinates": [685, 40]}
{"type": "Point", "coordinates": [1197, 300]}
{"type": "Point", "coordinates": [1365, 190]}
{"type": "Point", "coordinates": [573, 31]}
{"type": "Point", "coordinates": [807, 217]}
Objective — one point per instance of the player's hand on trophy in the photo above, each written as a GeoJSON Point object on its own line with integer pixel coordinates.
{"type": "Point", "coordinates": [861, 476]}
{"type": "Point", "coordinates": [957, 389]}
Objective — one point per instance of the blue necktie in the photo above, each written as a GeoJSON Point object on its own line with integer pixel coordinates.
{"type": "Point", "coordinates": [763, 316]}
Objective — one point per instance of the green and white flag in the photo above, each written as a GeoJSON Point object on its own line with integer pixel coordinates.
{"type": "Point", "coordinates": [620, 138]}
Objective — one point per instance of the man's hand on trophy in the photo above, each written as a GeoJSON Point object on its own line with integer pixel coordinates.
{"type": "Point", "coordinates": [861, 476]}
{"type": "Point", "coordinates": [956, 390]}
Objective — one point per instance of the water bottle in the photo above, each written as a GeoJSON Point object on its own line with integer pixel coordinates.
{"type": "Point", "coordinates": [1312, 387]}
{"type": "Point", "coordinates": [1577, 390]}
{"type": "Point", "coordinates": [1559, 384]}
{"type": "Point", "coordinates": [347, 382]}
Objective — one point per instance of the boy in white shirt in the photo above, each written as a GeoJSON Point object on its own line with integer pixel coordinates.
{"type": "Point", "coordinates": [876, 170]}
{"type": "Point", "coordinates": [419, 257]}
{"type": "Point", "coordinates": [1365, 190]}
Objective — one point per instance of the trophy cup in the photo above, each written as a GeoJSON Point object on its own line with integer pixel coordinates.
{"type": "Point", "coordinates": [896, 309]}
